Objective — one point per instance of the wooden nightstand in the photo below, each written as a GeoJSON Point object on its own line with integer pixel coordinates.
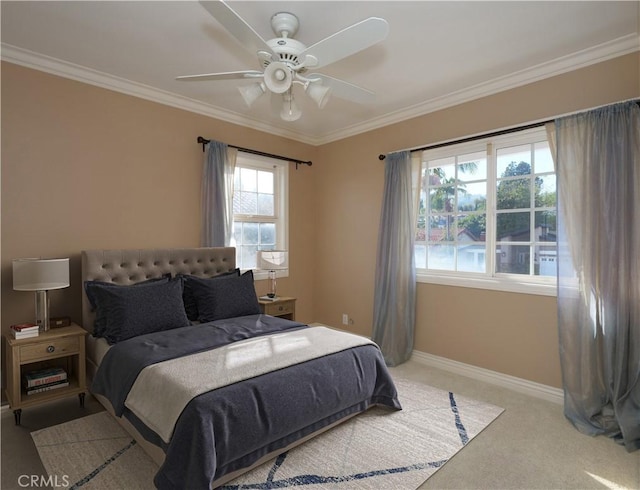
{"type": "Point", "coordinates": [282, 306]}
{"type": "Point", "coordinates": [59, 347]}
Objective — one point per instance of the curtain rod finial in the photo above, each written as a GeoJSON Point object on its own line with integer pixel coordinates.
{"type": "Point", "coordinates": [203, 142]}
{"type": "Point", "coordinates": [382, 157]}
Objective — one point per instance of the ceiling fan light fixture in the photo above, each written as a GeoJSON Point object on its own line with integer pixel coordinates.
{"type": "Point", "coordinates": [290, 110]}
{"type": "Point", "coordinates": [286, 61]}
{"type": "Point", "coordinates": [251, 93]}
{"type": "Point", "coordinates": [278, 77]}
{"type": "Point", "coordinates": [319, 93]}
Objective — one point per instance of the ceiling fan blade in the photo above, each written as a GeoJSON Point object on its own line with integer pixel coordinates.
{"type": "Point", "coordinates": [236, 26]}
{"type": "Point", "coordinates": [348, 41]}
{"type": "Point", "coordinates": [229, 75]}
{"type": "Point", "coordinates": [345, 90]}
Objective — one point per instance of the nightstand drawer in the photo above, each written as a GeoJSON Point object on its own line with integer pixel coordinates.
{"type": "Point", "coordinates": [280, 308]}
{"type": "Point", "coordinates": [50, 349]}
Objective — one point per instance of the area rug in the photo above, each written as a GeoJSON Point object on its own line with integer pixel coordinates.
{"type": "Point", "coordinates": [377, 449]}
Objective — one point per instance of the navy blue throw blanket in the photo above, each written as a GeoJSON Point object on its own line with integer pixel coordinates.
{"type": "Point", "coordinates": [230, 428]}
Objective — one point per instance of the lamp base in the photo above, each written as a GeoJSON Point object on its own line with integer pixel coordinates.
{"type": "Point", "coordinates": [272, 284]}
{"type": "Point", "coordinates": [42, 310]}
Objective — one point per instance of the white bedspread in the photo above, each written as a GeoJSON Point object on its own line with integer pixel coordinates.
{"type": "Point", "coordinates": [162, 391]}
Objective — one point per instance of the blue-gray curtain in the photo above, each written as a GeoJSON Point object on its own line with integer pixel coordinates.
{"type": "Point", "coordinates": [598, 168]}
{"type": "Point", "coordinates": [395, 287]}
{"type": "Point", "coordinates": [217, 194]}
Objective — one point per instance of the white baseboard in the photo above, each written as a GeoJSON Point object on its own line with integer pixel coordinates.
{"type": "Point", "coordinates": [520, 385]}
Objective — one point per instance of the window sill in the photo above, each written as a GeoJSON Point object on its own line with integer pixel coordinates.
{"type": "Point", "coordinates": [496, 284]}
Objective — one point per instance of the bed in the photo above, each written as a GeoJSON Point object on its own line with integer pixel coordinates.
{"type": "Point", "coordinates": [209, 387]}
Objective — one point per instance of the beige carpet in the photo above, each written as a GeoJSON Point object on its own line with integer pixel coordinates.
{"type": "Point", "coordinates": [94, 452]}
{"type": "Point", "coordinates": [378, 449]}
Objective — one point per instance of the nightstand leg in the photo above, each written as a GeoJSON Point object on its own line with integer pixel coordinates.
{"type": "Point", "coordinates": [16, 415]}
{"type": "Point", "coordinates": [81, 396]}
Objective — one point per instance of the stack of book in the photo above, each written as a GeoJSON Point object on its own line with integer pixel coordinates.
{"type": "Point", "coordinates": [25, 330]}
{"type": "Point", "coordinates": [45, 380]}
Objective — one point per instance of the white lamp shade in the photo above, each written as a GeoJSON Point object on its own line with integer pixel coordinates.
{"type": "Point", "coordinates": [40, 274]}
{"type": "Point", "coordinates": [273, 260]}
{"type": "Point", "coordinates": [319, 93]}
{"type": "Point", "coordinates": [290, 110]}
{"type": "Point", "coordinates": [251, 93]}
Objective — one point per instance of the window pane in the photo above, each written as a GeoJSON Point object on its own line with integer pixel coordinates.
{"type": "Point", "coordinates": [421, 256]}
{"type": "Point", "coordinates": [441, 170]}
{"type": "Point", "coordinates": [472, 166]}
{"type": "Point", "coordinates": [472, 197]}
{"type": "Point", "coordinates": [513, 227]}
{"type": "Point", "coordinates": [546, 263]}
{"type": "Point", "coordinates": [250, 233]}
{"type": "Point", "coordinates": [248, 180]}
{"type": "Point", "coordinates": [471, 257]}
{"type": "Point", "coordinates": [249, 238]}
{"type": "Point", "coordinates": [441, 257]}
{"type": "Point", "coordinates": [543, 159]}
{"type": "Point", "coordinates": [512, 259]}
{"type": "Point", "coordinates": [265, 204]}
{"type": "Point", "coordinates": [513, 194]}
{"type": "Point", "coordinates": [546, 226]}
{"type": "Point", "coordinates": [472, 227]}
{"type": "Point", "coordinates": [248, 257]}
{"type": "Point", "coordinates": [245, 202]}
{"type": "Point", "coordinates": [441, 199]}
{"type": "Point", "coordinates": [546, 191]}
{"type": "Point", "coordinates": [441, 228]}
{"type": "Point", "coordinates": [265, 182]}
{"type": "Point", "coordinates": [515, 160]}
{"type": "Point", "coordinates": [267, 236]}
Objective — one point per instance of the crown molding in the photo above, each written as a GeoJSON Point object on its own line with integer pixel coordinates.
{"type": "Point", "coordinates": [602, 52]}
{"type": "Point", "coordinates": [65, 69]}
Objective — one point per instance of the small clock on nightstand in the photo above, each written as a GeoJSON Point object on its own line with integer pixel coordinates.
{"type": "Point", "coordinates": [281, 306]}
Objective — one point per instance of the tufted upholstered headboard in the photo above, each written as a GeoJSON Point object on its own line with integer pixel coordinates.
{"type": "Point", "coordinates": [131, 266]}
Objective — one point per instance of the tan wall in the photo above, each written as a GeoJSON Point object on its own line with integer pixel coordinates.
{"type": "Point", "coordinates": [84, 167]}
{"type": "Point", "coordinates": [505, 332]}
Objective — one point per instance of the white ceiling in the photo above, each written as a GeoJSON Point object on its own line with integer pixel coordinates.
{"type": "Point", "coordinates": [437, 53]}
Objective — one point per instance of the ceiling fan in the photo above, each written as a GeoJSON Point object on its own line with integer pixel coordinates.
{"type": "Point", "coordinates": [286, 61]}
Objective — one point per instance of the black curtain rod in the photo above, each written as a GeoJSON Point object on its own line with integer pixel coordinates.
{"type": "Point", "coordinates": [204, 141]}
{"type": "Point", "coordinates": [482, 136]}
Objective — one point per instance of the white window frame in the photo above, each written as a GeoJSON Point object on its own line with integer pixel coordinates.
{"type": "Point", "coordinates": [519, 283]}
{"type": "Point", "coordinates": [281, 203]}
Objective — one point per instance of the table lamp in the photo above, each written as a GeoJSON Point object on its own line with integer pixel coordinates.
{"type": "Point", "coordinates": [41, 275]}
{"type": "Point", "coordinates": [272, 261]}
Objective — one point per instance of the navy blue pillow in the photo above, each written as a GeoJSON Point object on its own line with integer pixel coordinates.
{"type": "Point", "coordinates": [235, 296]}
{"type": "Point", "coordinates": [132, 311]}
{"type": "Point", "coordinates": [89, 288]}
{"type": "Point", "coordinates": [190, 304]}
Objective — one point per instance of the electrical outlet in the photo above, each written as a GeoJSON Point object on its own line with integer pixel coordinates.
{"type": "Point", "coordinates": [345, 319]}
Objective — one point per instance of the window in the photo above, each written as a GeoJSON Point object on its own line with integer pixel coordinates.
{"type": "Point", "coordinates": [486, 214]}
{"type": "Point", "coordinates": [260, 200]}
